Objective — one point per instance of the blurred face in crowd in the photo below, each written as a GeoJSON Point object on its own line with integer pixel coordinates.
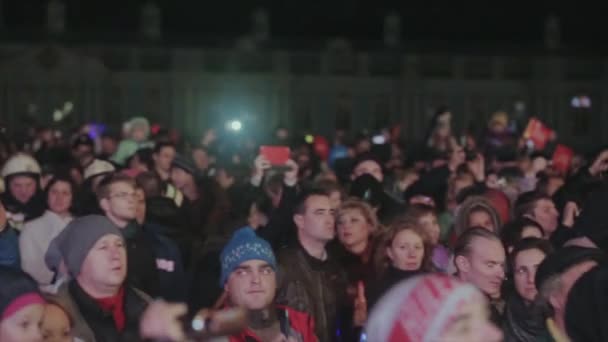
{"type": "Point", "coordinates": [524, 270]}
{"type": "Point", "coordinates": [369, 167]}
{"type": "Point", "coordinates": [180, 178]}
{"type": "Point", "coordinates": [164, 158]}
{"type": "Point", "coordinates": [60, 198]}
{"type": "Point", "coordinates": [23, 188]}
{"type": "Point", "coordinates": [55, 325]}
{"type": "Point", "coordinates": [252, 285]}
{"type": "Point", "coordinates": [481, 218]}
{"type": "Point", "coordinates": [430, 225]}
{"type": "Point", "coordinates": [256, 217]}
{"type": "Point", "coordinates": [546, 215]}
{"type": "Point", "coordinates": [554, 184]}
{"type": "Point", "coordinates": [353, 230]}
{"type": "Point", "coordinates": [567, 279]}
{"type": "Point", "coordinates": [457, 155]}
{"type": "Point", "coordinates": [140, 206]}
{"type": "Point", "coordinates": [23, 325]}
{"type": "Point", "coordinates": [136, 163]}
{"type": "Point", "coordinates": [200, 158]}
{"type": "Point", "coordinates": [406, 251]}
{"type": "Point", "coordinates": [120, 206]}
{"type": "Point", "coordinates": [317, 221]}
{"type": "Point", "coordinates": [335, 198]}
{"type": "Point", "coordinates": [108, 146]}
{"type": "Point", "coordinates": [138, 133]}
{"type": "Point", "coordinates": [471, 323]}
{"type": "Point", "coordinates": [363, 145]}
{"type": "Point", "coordinates": [223, 179]}
{"type": "Point", "coordinates": [104, 269]}
{"type": "Point", "coordinates": [484, 267]}
{"type": "Point", "coordinates": [83, 153]}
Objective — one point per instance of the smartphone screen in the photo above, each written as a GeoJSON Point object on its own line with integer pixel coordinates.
{"type": "Point", "coordinates": [276, 155]}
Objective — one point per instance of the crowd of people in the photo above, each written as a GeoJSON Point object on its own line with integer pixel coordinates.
{"type": "Point", "coordinates": [139, 235]}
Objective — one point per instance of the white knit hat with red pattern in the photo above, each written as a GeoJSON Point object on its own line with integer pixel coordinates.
{"type": "Point", "coordinates": [418, 309]}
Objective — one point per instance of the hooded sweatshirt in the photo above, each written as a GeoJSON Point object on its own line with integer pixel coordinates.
{"type": "Point", "coordinates": [469, 205]}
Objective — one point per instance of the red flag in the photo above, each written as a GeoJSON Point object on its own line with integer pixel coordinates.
{"type": "Point", "coordinates": [562, 158]}
{"type": "Point", "coordinates": [538, 133]}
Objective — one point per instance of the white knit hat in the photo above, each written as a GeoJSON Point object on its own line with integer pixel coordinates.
{"type": "Point", "coordinates": [98, 167]}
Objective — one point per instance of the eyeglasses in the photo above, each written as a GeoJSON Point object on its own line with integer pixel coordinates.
{"type": "Point", "coordinates": [123, 195]}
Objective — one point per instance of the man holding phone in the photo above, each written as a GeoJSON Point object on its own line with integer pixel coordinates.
{"type": "Point", "coordinates": [249, 280]}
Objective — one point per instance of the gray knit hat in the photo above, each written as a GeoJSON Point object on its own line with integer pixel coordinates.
{"type": "Point", "coordinates": [73, 244]}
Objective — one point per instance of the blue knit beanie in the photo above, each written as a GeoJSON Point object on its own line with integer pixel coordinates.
{"type": "Point", "coordinates": [244, 245]}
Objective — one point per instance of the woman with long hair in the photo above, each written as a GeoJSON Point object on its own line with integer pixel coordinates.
{"type": "Point", "coordinates": [403, 251]}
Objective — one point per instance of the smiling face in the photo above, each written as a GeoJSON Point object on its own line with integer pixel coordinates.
{"type": "Point", "coordinates": [406, 251]}
{"type": "Point", "coordinates": [252, 285]}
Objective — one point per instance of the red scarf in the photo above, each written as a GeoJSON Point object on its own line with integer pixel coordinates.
{"type": "Point", "coordinates": [115, 305]}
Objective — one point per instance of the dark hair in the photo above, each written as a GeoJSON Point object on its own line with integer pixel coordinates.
{"type": "Point", "coordinates": [236, 171]}
{"type": "Point", "coordinates": [56, 179]}
{"type": "Point", "coordinates": [300, 207]}
{"type": "Point", "coordinates": [544, 180]}
{"type": "Point", "coordinates": [150, 183]}
{"type": "Point", "coordinates": [528, 244]}
{"type": "Point", "coordinates": [510, 234]}
{"type": "Point", "coordinates": [145, 157]}
{"type": "Point", "coordinates": [330, 186]}
{"type": "Point", "coordinates": [463, 244]}
{"type": "Point", "coordinates": [162, 144]}
{"type": "Point", "coordinates": [416, 211]}
{"type": "Point", "coordinates": [527, 201]}
{"type": "Point", "coordinates": [103, 189]}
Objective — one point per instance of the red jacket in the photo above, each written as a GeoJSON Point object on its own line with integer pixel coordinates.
{"type": "Point", "coordinates": [299, 322]}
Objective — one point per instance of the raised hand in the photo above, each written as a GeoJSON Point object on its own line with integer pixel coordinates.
{"type": "Point", "coordinates": [600, 164]}
{"type": "Point", "coordinates": [360, 314]}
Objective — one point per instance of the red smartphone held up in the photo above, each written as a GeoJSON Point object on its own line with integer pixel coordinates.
{"type": "Point", "coordinates": [276, 155]}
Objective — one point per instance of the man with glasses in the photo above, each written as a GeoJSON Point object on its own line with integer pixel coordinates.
{"type": "Point", "coordinates": [116, 198]}
{"type": "Point", "coordinates": [250, 281]}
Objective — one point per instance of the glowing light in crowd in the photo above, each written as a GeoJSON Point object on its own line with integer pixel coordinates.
{"type": "Point", "coordinates": [235, 125]}
{"type": "Point", "coordinates": [582, 101]}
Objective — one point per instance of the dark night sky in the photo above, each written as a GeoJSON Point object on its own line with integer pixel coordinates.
{"type": "Point", "coordinates": [488, 21]}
